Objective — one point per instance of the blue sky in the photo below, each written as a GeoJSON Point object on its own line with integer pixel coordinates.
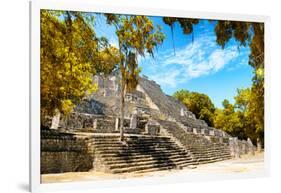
{"type": "Point", "coordinates": [199, 65]}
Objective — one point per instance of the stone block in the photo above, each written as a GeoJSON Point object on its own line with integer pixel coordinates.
{"type": "Point", "coordinates": [133, 121]}
{"type": "Point", "coordinates": [211, 132]}
{"type": "Point", "coordinates": [152, 127]}
{"type": "Point", "coordinates": [251, 147]}
{"type": "Point", "coordinates": [194, 130]}
{"type": "Point", "coordinates": [189, 129]}
{"type": "Point", "coordinates": [56, 121]}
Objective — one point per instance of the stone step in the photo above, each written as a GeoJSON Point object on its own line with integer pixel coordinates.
{"type": "Point", "coordinates": [210, 160]}
{"type": "Point", "coordinates": [194, 146]}
{"type": "Point", "coordinates": [210, 156]}
{"type": "Point", "coordinates": [141, 150]}
{"type": "Point", "coordinates": [163, 166]}
{"type": "Point", "coordinates": [138, 148]}
{"type": "Point", "coordinates": [211, 152]}
{"type": "Point", "coordinates": [213, 159]}
{"type": "Point", "coordinates": [208, 152]}
{"type": "Point", "coordinates": [143, 137]}
{"type": "Point", "coordinates": [207, 149]}
{"type": "Point", "coordinates": [162, 169]}
{"type": "Point", "coordinates": [135, 153]}
{"type": "Point", "coordinates": [151, 163]}
{"type": "Point", "coordinates": [143, 153]}
{"type": "Point", "coordinates": [130, 143]}
{"type": "Point", "coordinates": [142, 158]}
{"type": "Point", "coordinates": [113, 143]}
{"type": "Point", "coordinates": [131, 140]}
{"type": "Point", "coordinates": [156, 169]}
{"type": "Point", "coordinates": [114, 157]}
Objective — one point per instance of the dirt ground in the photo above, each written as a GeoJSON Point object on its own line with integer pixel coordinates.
{"type": "Point", "coordinates": [244, 164]}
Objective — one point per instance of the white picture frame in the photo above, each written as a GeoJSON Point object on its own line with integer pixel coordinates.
{"type": "Point", "coordinates": [36, 6]}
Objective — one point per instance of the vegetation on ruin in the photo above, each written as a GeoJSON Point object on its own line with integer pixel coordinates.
{"type": "Point", "coordinates": [237, 119]}
{"type": "Point", "coordinates": [198, 103]}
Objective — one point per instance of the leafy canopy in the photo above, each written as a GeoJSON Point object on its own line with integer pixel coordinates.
{"type": "Point", "coordinates": [241, 118]}
{"type": "Point", "coordinates": [70, 55]}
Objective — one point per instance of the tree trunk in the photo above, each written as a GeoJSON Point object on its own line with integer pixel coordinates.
{"type": "Point", "coordinates": [258, 145]}
{"type": "Point", "coordinates": [122, 105]}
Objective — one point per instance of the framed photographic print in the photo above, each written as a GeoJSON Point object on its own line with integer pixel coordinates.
{"type": "Point", "coordinates": [145, 96]}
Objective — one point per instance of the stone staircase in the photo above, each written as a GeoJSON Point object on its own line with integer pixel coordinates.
{"type": "Point", "coordinates": [202, 150]}
{"type": "Point", "coordinates": [141, 153]}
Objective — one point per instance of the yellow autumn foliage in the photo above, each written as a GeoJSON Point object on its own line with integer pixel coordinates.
{"type": "Point", "coordinates": [70, 55]}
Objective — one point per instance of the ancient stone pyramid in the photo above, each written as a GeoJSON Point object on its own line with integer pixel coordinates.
{"type": "Point", "coordinates": [161, 133]}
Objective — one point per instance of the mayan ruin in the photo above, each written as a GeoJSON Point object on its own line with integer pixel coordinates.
{"type": "Point", "coordinates": [126, 96]}
{"type": "Point", "coordinates": [160, 132]}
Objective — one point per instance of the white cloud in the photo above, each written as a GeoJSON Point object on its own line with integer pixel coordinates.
{"type": "Point", "coordinates": [166, 78]}
{"type": "Point", "coordinates": [200, 58]}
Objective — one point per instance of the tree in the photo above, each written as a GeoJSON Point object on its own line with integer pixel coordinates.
{"type": "Point", "coordinates": [70, 55]}
{"type": "Point", "coordinates": [229, 120]}
{"type": "Point", "coordinates": [198, 103]}
{"type": "Point", "coordinates": [239, 119]}
{"type": "Point", "coordinates": [136, 37]}
{"type": "Point", "coordinates": [246, 103]}
{"type": "Point", "coordinates": [251, 34]}
{"type": "Point", "coordinates": [242, 99]}
{"type": "Point", "coordinates": [181, 94]}
{"type": "Point", "coordinates": [185, 23]}
{"type": "Point", "coordinates": [256, 109]}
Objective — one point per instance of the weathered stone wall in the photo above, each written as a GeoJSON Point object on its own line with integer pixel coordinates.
{"type": "Point", "coordinates": [82, 121]}
{"type": "Point", "coordinates": [97, 123]}
{"type": "Point", "coordinates": [91, 106]}
{"type": "Point", "coordinates": [62, 152]}
{"type": "Point", "coordinates": [240, 147]}
{"type": "Point", "coordinates": [104, 125]}
{"type": "Point", "coordinates": [76, 121]}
